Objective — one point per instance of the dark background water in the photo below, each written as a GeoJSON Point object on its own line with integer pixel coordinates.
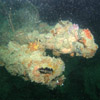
{"type": "Point", "coordinates": [82, 75]}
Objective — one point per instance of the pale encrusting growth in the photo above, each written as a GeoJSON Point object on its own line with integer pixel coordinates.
{"type": "Point", "coordinates": [29, 60]}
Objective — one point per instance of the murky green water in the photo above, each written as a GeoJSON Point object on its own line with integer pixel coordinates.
{"type": "Point", "coordinates": [19, 17]}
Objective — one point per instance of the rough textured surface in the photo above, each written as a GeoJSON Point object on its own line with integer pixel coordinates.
{"type": "Point", "coordinates": [31, 62]}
